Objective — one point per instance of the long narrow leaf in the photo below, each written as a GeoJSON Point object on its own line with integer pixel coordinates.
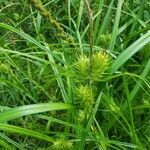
{"type": "Point", "coordinates": [32, 109]}
{"type": "Point", "coordinates": [24, 35]}
{"type": "Point", "coordinates": [116, 24]}
{"type": "Point", "coordinates": [15, 144]}
{"type": "Point", "coordinates": [5, 145]}
{"type": "Point", "coordinates": [27, 132]}
{"type": "Point", "coordinates": [130, 51]}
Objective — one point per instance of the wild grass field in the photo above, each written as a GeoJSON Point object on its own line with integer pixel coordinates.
{"type": "Point", "coordinates": [75, 75]}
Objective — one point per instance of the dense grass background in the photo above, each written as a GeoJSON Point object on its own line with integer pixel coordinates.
{"type": "Point", "coordinates": [50, 95]}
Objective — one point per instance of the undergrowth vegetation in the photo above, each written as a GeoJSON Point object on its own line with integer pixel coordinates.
{"type": "Point", "coordinates": [75, 74]}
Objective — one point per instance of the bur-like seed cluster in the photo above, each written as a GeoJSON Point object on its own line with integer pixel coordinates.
{"type": "Point", "coordinates": [82, 67]}
{"type": "Point", "coordinates": [100, 63]}
{"type": "Point", "coordinates": [92, 69]}
{"type": "Point", "coordinates": [81, 116]}
{"type": "Point", "coordinates": [62, 144]}
{"type": "Point", "coordinates": [4, 68]}
{"type": "Point", "coordinates": [87, 70]}
{"type": "Point", "coordinates": [85, 95]}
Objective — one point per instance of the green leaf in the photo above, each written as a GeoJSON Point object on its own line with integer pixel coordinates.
{"type": "Point", "coordinates": [27, 132]}
{"type": "Point", "coordinates": [32, 109]}
{"type": "Point", "coordinates": [116, 25]}
{"type": "Point", "coordinates": [5, 145]}
{"type": "Point", "coordinates": [130, 51]}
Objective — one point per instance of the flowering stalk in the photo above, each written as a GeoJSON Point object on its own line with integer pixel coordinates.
{"type": "Point", "coordinates": [60, 31]}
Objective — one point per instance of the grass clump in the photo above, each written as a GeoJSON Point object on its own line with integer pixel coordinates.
{"type": "Point", "coordinates": [74, 75]}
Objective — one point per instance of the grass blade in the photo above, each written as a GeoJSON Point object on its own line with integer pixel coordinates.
{"type": "Point", "coordinates": [19, 146]}
{"type": "Point", "coordinates": [22, 131]}
{"type": "Point", "coordinates": [130, 51]}
{"type": "Point", "coordinates": [105, 23]}
{"type": "Point", "coordinates": [32, 109]}
{"type": "Point", "coordinates": [5, 145]}
{"type": "Point", "coordinates": [116, 25]}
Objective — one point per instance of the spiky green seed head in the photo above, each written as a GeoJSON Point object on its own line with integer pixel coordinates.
{"type": "Point", "coordinates": [81, 116]}
{"type": "Point", "coordinates": [4, 68]}
{"type": "Point", "coordinates": [62, 144]}
{"type": "Point", "coordinates": [100, 63]}
{"type": "Point", "coordinates": [85, 96]}
{"type": "Point", "coordinates": [82, 67]}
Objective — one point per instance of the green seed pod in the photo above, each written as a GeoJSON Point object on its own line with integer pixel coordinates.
{"type": "Point", "coordinates": [82, 115]}
{"type": "Point", "coordinates": [100, 63]}
{"type": "Point", "coordinates": [62, 144]}
{"type": "Point", "coordinates": [4, 68]}
{"type": "Point", "coordinates": [16, 16]}
{"type": "Point", "coordinates": [82, 67]}
{"type": "Point", "coordinates": [85, 96]}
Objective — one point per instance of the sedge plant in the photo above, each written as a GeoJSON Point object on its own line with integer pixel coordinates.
{"type": "Point", "coordinates": [74, 75]}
